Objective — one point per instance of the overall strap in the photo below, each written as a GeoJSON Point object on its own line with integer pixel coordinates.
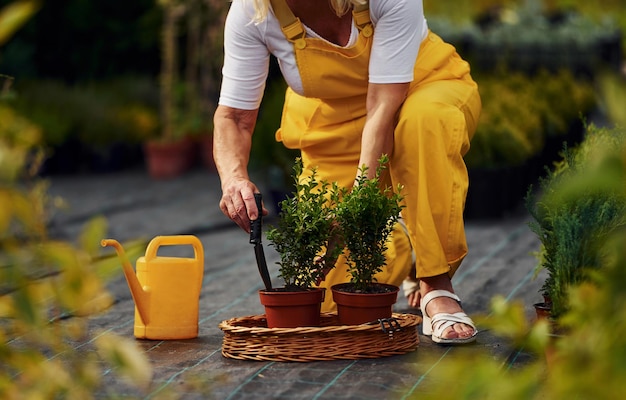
{"type": "Point", "coordinates": [361, 14]}
{"type": "Point", "coordinates": [289, 23]}
{"type": "Point", "coordinates": [292, 27]}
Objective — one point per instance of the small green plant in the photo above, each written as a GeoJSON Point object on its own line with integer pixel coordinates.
{"type": "Point", "coordinates": [366, 216]}
{"type": "Point", "coordinates": [572, 229]}
{"type": "Point", "coordinates": [305, 228]}
{"type": "Point", "coordinates": [587, 362]}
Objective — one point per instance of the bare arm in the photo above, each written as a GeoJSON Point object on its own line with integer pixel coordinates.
{"type": "Point", "coordinates": [383, 103]}
{"type": "Point", "coordinates": [232, 141]}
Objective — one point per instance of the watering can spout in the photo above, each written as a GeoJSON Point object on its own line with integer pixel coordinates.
{"type": "Point", "coordinates": [140, 296]}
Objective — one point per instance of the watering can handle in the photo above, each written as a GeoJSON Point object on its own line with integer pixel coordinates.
{"type": "Point", "coordinates": [177, 240]}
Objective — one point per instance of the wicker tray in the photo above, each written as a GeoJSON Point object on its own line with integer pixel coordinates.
{"type": "Point", "coordinates": [248, 338]}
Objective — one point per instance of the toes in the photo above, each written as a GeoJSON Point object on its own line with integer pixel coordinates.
{"type": "Point", "coordinates": [451, 333]}
{"type": "Point", "coordinates": [463, 330]}
{"type": "Point", "coordinates": [458, 331]}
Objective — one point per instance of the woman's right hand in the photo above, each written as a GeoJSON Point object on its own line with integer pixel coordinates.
{"type": "Point", "coordinates": [238, 202]}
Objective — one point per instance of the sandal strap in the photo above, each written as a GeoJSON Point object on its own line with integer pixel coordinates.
{"type": "Point", "coordinates": [433, 294]}
{"type": "Point", "coordinates": [441, 321]}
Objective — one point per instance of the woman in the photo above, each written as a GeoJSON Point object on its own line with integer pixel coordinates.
{"type": "Point", "coordinates": [365, 79]}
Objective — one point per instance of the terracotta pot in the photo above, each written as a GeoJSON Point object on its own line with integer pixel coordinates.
{"type": "Point", "coordinates": [168, 159]}
{"type": "Point", "coordinates": [359, 308]}
{"type": "Point", "coordinates": [543, 310]}
{"type": "Point", "coordinates": [285, 309]}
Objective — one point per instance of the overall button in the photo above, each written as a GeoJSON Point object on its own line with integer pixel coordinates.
{"type": "Point", "coordinates": [300, 44]}
{"type": "Point", "coordinates": [367, 31]}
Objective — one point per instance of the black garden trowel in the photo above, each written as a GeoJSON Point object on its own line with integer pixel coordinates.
{"type": "Point", "coordinates": [256, 231]}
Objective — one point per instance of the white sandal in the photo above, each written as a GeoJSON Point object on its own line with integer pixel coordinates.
{"type": "Point", "coordinates": [436, 325]}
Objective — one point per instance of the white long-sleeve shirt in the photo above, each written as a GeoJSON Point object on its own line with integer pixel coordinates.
{"type": "Point", "coordinates": [400, 27]}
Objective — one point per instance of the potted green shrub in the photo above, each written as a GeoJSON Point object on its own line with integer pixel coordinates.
{"type": "Point", "coordinates": [302, 238]}
{"type": "Point", "coordinates": [572, 229]}
{"type": "Point", "coordinates": [366, 215]}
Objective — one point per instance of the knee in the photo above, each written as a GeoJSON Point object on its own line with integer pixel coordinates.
{"type": "Point", "coordinates": [430, 122]}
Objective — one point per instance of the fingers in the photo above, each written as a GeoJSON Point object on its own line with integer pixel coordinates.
{"type": "Point", "coordinates": [413, 299]}
{"type": "Point", "coordinates": [235, 212]}
{"type": "Point", "coordinates": [239, 205]}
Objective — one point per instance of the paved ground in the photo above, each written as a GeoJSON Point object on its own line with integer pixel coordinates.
{"type": "Point", "coordinates": [500, 262]}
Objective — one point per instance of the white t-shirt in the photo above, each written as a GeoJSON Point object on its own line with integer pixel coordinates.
{"type": "Point", "coordinates": [400, 27]}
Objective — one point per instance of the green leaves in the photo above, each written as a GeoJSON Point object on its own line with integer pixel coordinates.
{"type": "Point", "coordinates": [44, 283]}
{"type": "Point", "coordinates": [321, 217]}
{"type": "Point", "coordinates": [579, 208]}
{"type": "Point", "coordinates": [126, 357]}
{"type": "Point", "coordinates": [13, 16]}
{"type": "Point", "coordinates": [305, 228]}
{"type": "Point", "coordinates": [366, 216]}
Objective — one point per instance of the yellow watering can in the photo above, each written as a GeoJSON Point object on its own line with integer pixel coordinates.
{"type": "Point", "coordinates": [166, 290]}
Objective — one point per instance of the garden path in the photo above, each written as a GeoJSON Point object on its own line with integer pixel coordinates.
{"type": "Point", "coordinates": [500, 262]}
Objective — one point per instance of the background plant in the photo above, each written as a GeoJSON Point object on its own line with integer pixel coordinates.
{"type": "Point", "coordinates": [305, 228]}
{"type": "Point", "coordinates": [526, 34]}
{"type": "Point", "coordinates": [612, 90]}
{"type": "Point", "coordinates": [366, 215]}
{"type": "Point", "coordinates": [522, 113]}
{"type": "Point", "coordinates": [97, 114]}
{"type": "Point", "coordinates": [46, 285]}
{"type": "Point", "coordinates": [587, 362]}
{"type": "Point", "coordinates": [573, 229]}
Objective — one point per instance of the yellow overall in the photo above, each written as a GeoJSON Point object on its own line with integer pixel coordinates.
{"type": "Point", "coordinates": [433, 133]}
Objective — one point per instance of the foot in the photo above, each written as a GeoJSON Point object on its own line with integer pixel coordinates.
{"type": "Point", "coordinates": [445, 305]}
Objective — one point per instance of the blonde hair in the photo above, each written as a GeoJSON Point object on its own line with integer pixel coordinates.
{"type": "Point", "coordinates": [261, 7]}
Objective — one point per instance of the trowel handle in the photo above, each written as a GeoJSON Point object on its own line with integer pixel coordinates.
{"type": "Point", "coordinates": [176, 240]}
{"type": "Point", "coordinates": [256, 226]}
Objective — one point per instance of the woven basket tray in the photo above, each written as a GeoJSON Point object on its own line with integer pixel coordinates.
{"type": "Point", "coordinates": [248, 338]}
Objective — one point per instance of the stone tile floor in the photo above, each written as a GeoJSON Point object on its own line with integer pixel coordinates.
{"type": "Point", "coordinates": [500, 262]}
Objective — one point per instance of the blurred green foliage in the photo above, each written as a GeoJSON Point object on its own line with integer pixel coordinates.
{"type": "Point", "coordinates": [612, 95]}
{"type": "Point", "coordinates": [521, 112]}
{"type": "Point", "coordinates": [464, 13]}
{"type": "Point", "coordinates": [47, 285]}
{"type": "Point", "coordinates": [44, 281]}
{"type": "Point", "coordinates": [574, 227]}
{"type": "Point", "coordinates": [118, 110]}
{"type": "Point", "coordinates": [586, 357]}
{"type": "Point", "coordinates": [13, 16]}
